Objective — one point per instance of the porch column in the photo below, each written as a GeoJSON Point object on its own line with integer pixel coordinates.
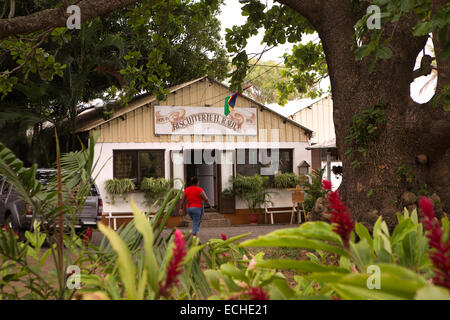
{"type": "Point", "coordinates": [227, 166]}
{"type": "Point", "coordinates": [177, 169]}
{"type": "Point", "coordinates": [329, 165]}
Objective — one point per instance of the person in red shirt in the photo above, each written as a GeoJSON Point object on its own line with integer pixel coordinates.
{"type": "Point", "coordinates": [194, 196]}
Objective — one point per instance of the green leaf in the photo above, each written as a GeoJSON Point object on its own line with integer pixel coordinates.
{"type": "Point", "coordinates": [233, 272]}
{"type": "Point", "coordinates": [362, 253]}
{"type": "Point", "coordinates": [401, 230]}
{"type": "Point", "coordinates": [292, 242]}
{"type": "Point", "coordinates": [126, 267]}
{"type": "Point", "coordinates": [432, 293]}
{"type": "Point", "coordinates": [213, 276]}
{"type": "Point", "coordinates": [384, 53]}
{"type": "Point", "coordinates": [362, 51]}
{"type": "Point", "coordinates": [44, 257]}
{"type": "Point", "coordinates": [314, 230]}
{"type": "Point", "coordinates": [299, 265]}
{"type": "Point", "coordinates": [283, 288]}
{"type": "Point", "coordinates": [231, 240]}
{"type": "Point", "coordinates": [363, 233]}
{"type": "Point", "coordinates": [348, 292]}
{"type": "Point", "coordinates": [422, 29]}
{"type": "Point", "coordinates": [143, 226]}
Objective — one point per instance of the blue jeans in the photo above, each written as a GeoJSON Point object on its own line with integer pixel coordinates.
{"type": "Point", "coordinates": [196, 215]}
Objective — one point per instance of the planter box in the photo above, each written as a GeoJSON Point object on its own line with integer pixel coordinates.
{"type": "Point", "coordinates": [227, 205]}
{"type": "Point", "coordinates": [281, 198]}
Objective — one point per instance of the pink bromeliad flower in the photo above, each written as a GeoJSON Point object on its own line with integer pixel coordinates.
{"type": "Point", "coordinates": [440, 253]}
{"type": "Point", "coordinates": [339, 213]}
{"type": "Point", "coordinates": [175, 265]}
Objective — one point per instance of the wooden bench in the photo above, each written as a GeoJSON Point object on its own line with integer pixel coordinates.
{"type": "Point", "coordinates": [298, 198]}
{"type": "Point", "coordinates": [271, 211]}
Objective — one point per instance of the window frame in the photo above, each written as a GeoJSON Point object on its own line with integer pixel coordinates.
{"type": "Point", "coordinates": [138, 165]}
{"type": "Point", "coordinates": [247, 156]}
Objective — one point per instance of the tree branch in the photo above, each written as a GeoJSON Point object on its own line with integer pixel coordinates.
{"type": "Point", "coordinates": [425, 67]}
{"type": "Point", "coordinates": [310, 9]}
{"type": "Point", "coordinates": [53, 18]}
{"type": "Point", "coordinates": [29, 55]}
{"type": "Point", "coordinates": [334, 21]}
{"type": "Point", "coordinates": [12, 9]}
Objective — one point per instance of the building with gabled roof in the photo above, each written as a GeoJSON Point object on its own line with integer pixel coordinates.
{"type": "Point", "coordinates": [188, 134]}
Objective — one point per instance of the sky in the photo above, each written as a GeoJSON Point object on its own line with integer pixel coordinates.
{"type": "Point", "coordinates": [231, 15]}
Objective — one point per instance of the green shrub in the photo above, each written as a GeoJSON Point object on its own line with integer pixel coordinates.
{"type": "Point", "coordinates": [252, 190]}
{"type": "Point", "coordinates": [400, 259]}
{"type": "Point", "coordinates": [155, 188]}
{"type": "Point", "coordinates": [248, 184]}
{"type": "Point", "coordinates": [313, 189]}
{"type": "Point", "coordinates": [286, 180]}
{"type": "Point", "coordinates": [119, 186]}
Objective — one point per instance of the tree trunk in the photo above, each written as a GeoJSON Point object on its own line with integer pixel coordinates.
{"type": "Point", "coordinates": [391, 165]}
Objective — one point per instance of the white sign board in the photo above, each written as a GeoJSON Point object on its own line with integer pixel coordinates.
{"type": "Point", "coordinates": [205, 121]}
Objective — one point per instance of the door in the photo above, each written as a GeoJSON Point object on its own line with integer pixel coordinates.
{"type": "Point", "coordinates": [205, 174]}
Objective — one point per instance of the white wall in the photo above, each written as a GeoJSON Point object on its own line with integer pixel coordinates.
{"type": "Point", "coordinates": [335, 179]}
{"type": "Point", "coordinates": [280, 198]}
{"type": "Point", "coordinates": [104, 153]}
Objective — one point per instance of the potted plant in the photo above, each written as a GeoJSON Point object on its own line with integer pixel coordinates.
{"type": "Point", "coordinates": [286, 180]}
{"type": "Point", "coordinates": [154, 189]}
{"type": "Point", "coordinates": [119, 186]}
{"type": "Point", "coordinates": [251, 189]}
{"type": "Point", "coordinates": [227, 201]}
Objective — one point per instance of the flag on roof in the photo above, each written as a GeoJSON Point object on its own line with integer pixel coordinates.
{"type": "Point", "coordinates": [230, 101]}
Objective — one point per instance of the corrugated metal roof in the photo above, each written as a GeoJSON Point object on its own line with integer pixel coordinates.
{"type": "Point", "coordinates": [93, 118]}
{"type": "Point", "coordinates": [324, 145]}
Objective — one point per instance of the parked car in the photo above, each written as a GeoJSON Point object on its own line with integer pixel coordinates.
{"type": "Point", "coordinates": [16, 214]}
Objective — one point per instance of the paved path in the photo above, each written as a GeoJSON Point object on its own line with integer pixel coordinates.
{"type": "Point", "coordinates": [214, 232]}
{"type": "Point", "coordinates": [255, 230]}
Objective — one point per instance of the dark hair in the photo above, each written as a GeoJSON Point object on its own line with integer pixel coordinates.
{"type": "Point", "coordinates": [193, 181]}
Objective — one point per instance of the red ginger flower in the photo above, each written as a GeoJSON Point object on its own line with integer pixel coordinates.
{"type": "Point", "coordinates": [326, 185]}
{"type": "Point", "coordinates": [224, 237]}
{"type": "Point", "coordinates": [440, 256]}
{"type": "Point", "coordinates": [175, 264]}
{"type": "Point", "coordinates": [257, 293]}
{"type": "Point", "coordinates": [253, 293]}
{"type": "Point", "coordinates": [5, 227]}
{"type": "Point", "coordinates": [339, 214]}
{"type": "Point", "coordinates": [87, 237]}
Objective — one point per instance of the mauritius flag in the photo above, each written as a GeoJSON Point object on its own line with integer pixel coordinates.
{"type": "Point", "coordinates": [230, 101]}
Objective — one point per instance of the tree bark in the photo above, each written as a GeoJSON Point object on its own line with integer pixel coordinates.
{"type": "Point", "coordinates": [374, 187]}
{"type": "Point", "coordinates": [53, 18]}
